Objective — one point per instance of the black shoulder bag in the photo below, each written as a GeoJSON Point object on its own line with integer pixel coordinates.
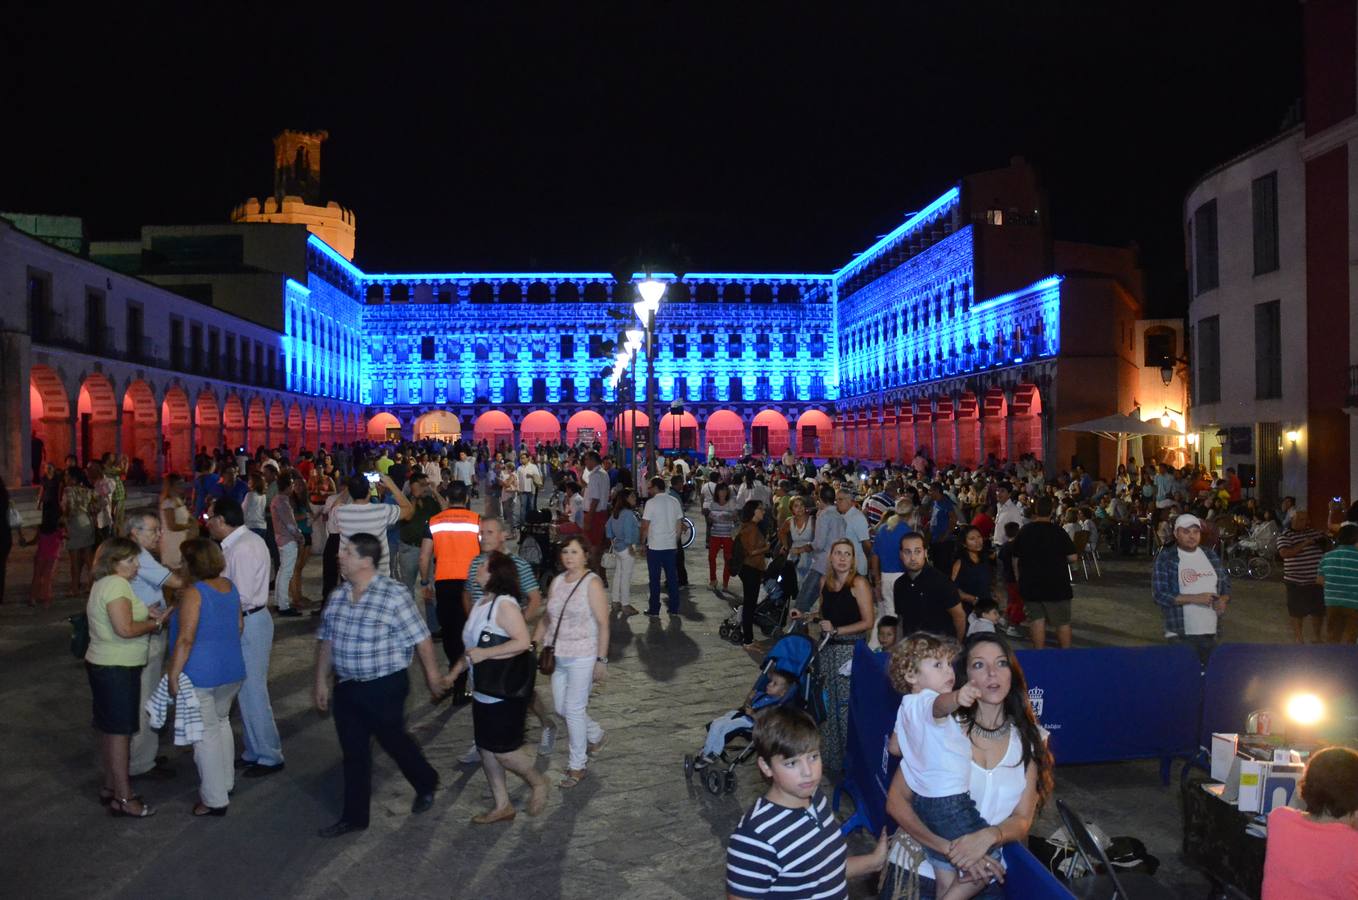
{"type": "Point", "coordinates": [510, 678]}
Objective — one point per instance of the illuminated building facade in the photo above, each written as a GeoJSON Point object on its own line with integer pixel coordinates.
{"type": "Point", "coordinates": [954, 334]}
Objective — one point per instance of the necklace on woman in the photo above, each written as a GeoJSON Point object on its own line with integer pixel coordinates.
{"type": "Point", "coordinates": [999, 731]}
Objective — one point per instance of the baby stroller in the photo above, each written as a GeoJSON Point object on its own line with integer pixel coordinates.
{"type": "Point", "coordinates": [770, 611]}
{"type": "Point", "coordinates": [794, 654]}
{"type": "Point", "coordinates": [537, 542]}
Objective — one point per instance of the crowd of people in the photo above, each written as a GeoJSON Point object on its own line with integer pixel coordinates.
{"type": "Point", "coordinates": [415, 541]}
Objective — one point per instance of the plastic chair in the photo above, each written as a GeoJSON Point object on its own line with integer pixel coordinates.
{"type": "Point", "coordinates": [1092, 554]}
{"type": "Point", "coordinates": [1081, 545]}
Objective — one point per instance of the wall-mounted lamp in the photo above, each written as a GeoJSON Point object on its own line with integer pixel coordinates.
{"type": "Point", "coordinates": [1192, 438]}
{"type": "Point", "coordinates": [1292, 435]}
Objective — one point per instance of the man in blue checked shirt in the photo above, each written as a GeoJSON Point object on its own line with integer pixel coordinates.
{"type": "Point", "coordinates": [367, 634]}
{"type": "Point", "coordinates": [1192, 588]}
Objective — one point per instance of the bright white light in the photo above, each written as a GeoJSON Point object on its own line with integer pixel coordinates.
{"type": "Point", "coordinates": [1164, 419]}
{"type": "Point", "coordinates": [1305, 709]}
{"type": "Point", "coordinates": [632, 346]}
{"type": "Point", "coordinates": [651, 291]}
{"type": "Point", "coordinates": [635, 335]}
{"type": "Point", "coordinates": [1293, 436]}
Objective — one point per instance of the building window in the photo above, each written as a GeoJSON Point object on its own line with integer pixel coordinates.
{"type": "Point", "coordinates": [763, 389]}
{"type": "Point", "coordinates": [482, 351]}
{"type": "Point", "coordinates": [1159, 347]}
{"type": "Point", "coordinates": [94, 321]}
{"type": "Point", "coordinates": [680, 346]}
{"type": "Point", "coordinates": [789, 344]}
{"type": "Point", "coordinates": [761, 345]}
{"type": "Point", "coordinates": [568, 390]}
{"type": "Point", "coordinates": [567, 346]}
{"type": "Point", "coordinates": [709, 345]}
{"type": "Point", "coordinates": [1265, 209]}
{"type": "Point", "coordinates": [427, 349]}
{"type": "Point", "coordinates": [734, 348]}
{"type": "Point", "coordinates": [1205, 276]}
{"type": "Point", "coordinates": [259, 364]}
{"type": "Point", "coordinates": [196, 347]}
{"type": "Point", "coordinates": [400, 293]}
{"type": "Point", "coordinates": [596, 346]}
{"type": "Point", "coordinates": [1209, 360]}
{"type": "Point", "coordinates": [817, 387]}
{"type": "Point", "coordinates": [737, 388]}
{"type": "Point", "coordinates": [375, 295]}
{"type": "Point", "coordinates": [176, 344]}
{"type": "Point", "coordinates": [596, 389]}
{"type": "Point", "coordinates": [994, 217]}
{"type": "Point", "coordinates": [818, 346]}
{"type": "Point", "coordinates": [709, 388]}
{"type": "Point", "coordinates": [445, 295]}
{"type": "Point", "coordinates": [246, 370]}
{"type": "Point", "coordinates": [539, 389]}
{"type": "Point", "coordinates": [680, 387]}
{"type": "Point", "coordinates": [1268, 350]}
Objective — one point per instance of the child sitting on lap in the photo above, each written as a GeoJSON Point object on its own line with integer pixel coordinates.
{"type": "Point", "coordinates": [935, 753]}
{"type": "Point", "coordinates": [779, 682]}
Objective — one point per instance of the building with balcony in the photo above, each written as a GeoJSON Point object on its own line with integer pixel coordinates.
{"type": "Point", "coordinates": [965, 332]}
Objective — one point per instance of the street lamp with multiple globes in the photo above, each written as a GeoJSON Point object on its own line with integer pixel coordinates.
{"type": "Point", "coordinates": [651, 291]}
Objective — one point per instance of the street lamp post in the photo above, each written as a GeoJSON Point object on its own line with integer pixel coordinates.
{"type": "Point", "coordinates": [651, 291]}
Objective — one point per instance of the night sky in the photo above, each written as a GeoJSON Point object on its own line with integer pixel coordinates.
{"type": "Point", "coordinates": [777, 137]}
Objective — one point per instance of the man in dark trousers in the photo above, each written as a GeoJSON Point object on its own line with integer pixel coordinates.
{"type": "Point", "coordinates": [925, 598]}
{"type": "Point", "coordinates": [368, 633]}
{"type": "Point", "coordinates": [1042, 554]}
{"type": "Point", "coordinates": [452, 542]}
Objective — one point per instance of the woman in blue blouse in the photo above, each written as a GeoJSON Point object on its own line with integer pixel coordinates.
{"type": "Point", "coordinates": [205, 635]}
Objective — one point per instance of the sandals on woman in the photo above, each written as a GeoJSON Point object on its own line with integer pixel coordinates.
{"type": "Point", "coordinates": [495, 815]}
{"type": "Point", "coordinates": [538, 801]}
{"type": "Point", "coordinates": [202, 809]}
{"type": "Point", "coordinates": [573, 777]}
{"type": "Point", "coordinates": [117, 807]}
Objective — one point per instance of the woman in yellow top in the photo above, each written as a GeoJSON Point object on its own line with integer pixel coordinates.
{"type": "Point", "coordinates": [119, 624]}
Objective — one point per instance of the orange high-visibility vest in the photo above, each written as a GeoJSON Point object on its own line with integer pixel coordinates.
{"type": "Point", "coordinates": [457, 540]}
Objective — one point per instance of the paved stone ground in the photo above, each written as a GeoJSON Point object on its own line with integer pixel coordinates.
{"type": "Point", "coordinates": [634, 828]}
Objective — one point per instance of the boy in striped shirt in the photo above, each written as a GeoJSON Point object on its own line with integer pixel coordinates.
{"type": "Point", "coordinates": [788, 845]}
{"type": "Point", "coordinates": [1339, 577]}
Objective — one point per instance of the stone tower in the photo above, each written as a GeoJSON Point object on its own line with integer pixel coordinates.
{"type": "Point", "coordinates": [296, 197]}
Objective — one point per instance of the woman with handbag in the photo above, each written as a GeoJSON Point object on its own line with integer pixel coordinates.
{"type": "Point", "coordinates": [501, 663]}
{"type": "Point", "coordinates": [577, 657]}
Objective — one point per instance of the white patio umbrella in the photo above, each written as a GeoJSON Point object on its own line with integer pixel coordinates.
{"type": "Point", "coordinates": [1119, 427]}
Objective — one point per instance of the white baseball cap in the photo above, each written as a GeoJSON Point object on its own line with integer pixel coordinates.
{"type": "Point", "coordinates": [1187, 521]}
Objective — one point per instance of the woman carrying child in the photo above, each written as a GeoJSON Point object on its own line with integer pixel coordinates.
{"type": "Point", "coordinates": [975, 767]}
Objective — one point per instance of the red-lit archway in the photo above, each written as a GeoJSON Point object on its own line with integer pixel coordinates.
{"type": "Point", "coordinates": [327, 434]}
{"type": "Point", "coordinates": [677, 432]}
{"type": "Point", "coordinates": [495, 428]}
{"type": "Point", "coordinates": [994, 411]}
{"type": "Point", "coordinates": [905, 431]}
{"type": "Point", "coordinates": [924, 428]}
{"type": "Point", "coordinates": [256, 425]}
{"type": "Point", "coordinates": [727, 433]}
{"type": "Point", "coordinates": [539, 427]}
{"type": "Point", "coordinates": [379, 424]}
{"type": "Point", "coordinates": [587, 419]}
{"type": "Point", "coordinates": [141, 427]}
{"type": "Point", "coordinates": [1027, 413]}
{"type": "Point", "coordinates": [815, 433]}
{"type": "Point", "coordinates": [97, 411]}
{"type": "Point", "coordinates": [278, 424]}
{"type": "Point", "coordinates": [233, 423]}
{"type": "Point", "coordinates": [176, 425]}
{"type": "Point", "coordinates": [629, 420]}
{"type": "Point", "coordinates": [207, 419]}
{"type": "Point", "coordinates": [311, 425]}
{"type": "Point", "coordinates": [945, 444]}
{"type": "Point", "coordinates": [768, 433]}
{"type": "Point", "coordinates": [967, 415]}
{"type": "Point", "coordinates": [294, 429]}
{"type": "Point", "coordinates": [50, 411]}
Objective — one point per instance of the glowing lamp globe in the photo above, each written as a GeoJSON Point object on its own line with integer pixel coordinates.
{"type": "Point", "coordinates": [1305, 710]}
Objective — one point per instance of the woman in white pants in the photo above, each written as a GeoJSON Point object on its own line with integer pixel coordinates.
{"type": "Point", "coordinates": [576, 625]}
{"type": "Point", "coordinates": [205, 634]}
{"type": "Point", "coordinates": [624, 536]}
{"type": "Point", "coordinates": [288, 536]}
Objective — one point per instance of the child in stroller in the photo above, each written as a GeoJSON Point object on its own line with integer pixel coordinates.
{"type": "Point", "coordinates": [784, 679]}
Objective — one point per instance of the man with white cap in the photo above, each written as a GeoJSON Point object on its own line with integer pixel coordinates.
{"type": "Point", "coordinates": [1191, 587]}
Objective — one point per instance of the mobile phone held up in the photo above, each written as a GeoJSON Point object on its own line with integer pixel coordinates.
{"type": "Point", "coordinates": [372, 477]}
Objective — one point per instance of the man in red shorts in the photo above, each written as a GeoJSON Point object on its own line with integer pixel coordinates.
{"type": "Point", "coordinates": [596, 509]}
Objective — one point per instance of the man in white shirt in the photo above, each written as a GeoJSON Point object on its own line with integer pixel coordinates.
{"type": "Point", "coordinates": [527, 478]}
{"type": "Point", "coordinates": [1191, 587]}
{"type": "Point", "coordinates": [247, 566]}
{"type": "Point", "coordinates": [660, 534]}
{"type": "Point", "coordinates": [464, 470]}
{"type": "Point", "coordinates": [1007, 510]}
{"type": "Point", "coordinates": [432, 470]}
{"type": "Point", "coordinates": [152, 577]}
{"type": "Point", "coordinates": [855, 529]}
{"type": "Point", "coordinates": [364, 517]}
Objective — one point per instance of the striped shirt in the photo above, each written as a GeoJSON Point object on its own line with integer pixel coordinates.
{"type": "Point", "coordinates": [797, 854]}
{"type": "Point", "coordinates": [528, 582]}
{"type": "Point", "coordinates": [365, 518]}
{"type": "Point", "coordinates": [1339, 568]}
{"type": "Point", "coordinates": [1302, 568]}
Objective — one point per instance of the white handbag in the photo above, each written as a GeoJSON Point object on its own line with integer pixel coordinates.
{"type": "Point", "coordinates": [610, 560]}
